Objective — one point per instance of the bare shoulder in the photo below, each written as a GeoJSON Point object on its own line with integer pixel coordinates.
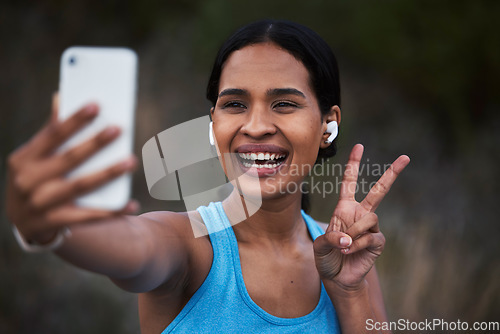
{"type": "Point", "coordinates": [185, 235]}
{"type": "Point", "coordinates": [189, 259]}
{"type": "Point", "coordinates": [181, 228]}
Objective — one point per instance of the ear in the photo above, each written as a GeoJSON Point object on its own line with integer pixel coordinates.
{"type": "Point", "coordinates": [211, 135]}
{"type": "Point", "coordinates": [333, 115]}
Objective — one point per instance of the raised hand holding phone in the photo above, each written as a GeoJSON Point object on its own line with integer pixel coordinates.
{"type": "Point", "coordinates": [41, 198]}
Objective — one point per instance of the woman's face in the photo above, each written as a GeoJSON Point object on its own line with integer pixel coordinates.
{"type": "Point", "coordinates": [267, 116]}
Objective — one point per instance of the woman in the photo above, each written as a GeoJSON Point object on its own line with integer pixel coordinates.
{"type": "Point", "coordinates": [275, 94]}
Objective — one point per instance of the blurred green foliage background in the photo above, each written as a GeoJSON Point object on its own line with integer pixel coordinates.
{"type": "Point", "coordinates": [418, 78]}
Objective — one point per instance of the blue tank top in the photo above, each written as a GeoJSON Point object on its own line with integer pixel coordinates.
{"type": "Point", "coordinates": [222, 303]}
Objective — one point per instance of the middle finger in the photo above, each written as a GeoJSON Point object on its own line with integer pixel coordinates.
{"type": "Point", "coordinates": [61, 190]}
{"type": "Point", "coordinates": [62, 163]}
{"type": "Point", "coordinates": [350, 179]}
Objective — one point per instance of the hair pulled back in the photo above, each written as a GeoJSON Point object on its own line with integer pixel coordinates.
{"type": "Point", "coordinates": [301, 42]}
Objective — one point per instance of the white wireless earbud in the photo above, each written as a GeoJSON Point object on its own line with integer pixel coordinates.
{"type": "Point", "coordinates": [211, 134]}
{"type": "Point", "coordinates": [333, 129]}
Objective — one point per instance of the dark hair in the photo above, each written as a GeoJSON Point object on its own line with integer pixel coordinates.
{"type": "Point", "coordinates": [301, 42]}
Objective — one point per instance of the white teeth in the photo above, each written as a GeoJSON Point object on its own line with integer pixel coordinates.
{"type": "Point", "coordinates": [259, 166]}
{"type": "Point", "coordinates": [261, 156]}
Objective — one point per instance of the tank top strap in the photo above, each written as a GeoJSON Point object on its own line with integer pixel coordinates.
{"type": "Point", "coordinates": [214, 219]}
{"type": "Point", "coordinates": [314, 229]}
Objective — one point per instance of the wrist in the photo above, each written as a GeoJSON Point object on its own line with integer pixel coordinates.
{"type": "Point", "coordinates": [45, 242]}
{"type": "Point", "coordinates": [347, 291]}
{"type": "Point", "coordinates": [352, 304]}
{"type": "Point", "coordinates": [42, 238]}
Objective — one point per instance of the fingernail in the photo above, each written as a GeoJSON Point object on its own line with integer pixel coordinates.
{"type": "Point", "coordinates": [345, 250]}
{"type": "Point", "coordinates": [134, 207]}
{"type": "Point", "coordinates": [90, 110]}
{"type": "Point", "coordinates": [111, 131]}
{"type": "Point", "coordinates": [345, 241]}
{"type": "Point", "coordinates": [129, 163]}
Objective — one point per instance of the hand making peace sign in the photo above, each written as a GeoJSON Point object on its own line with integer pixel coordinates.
{"type": "Point", "coordinates": [353, 241]}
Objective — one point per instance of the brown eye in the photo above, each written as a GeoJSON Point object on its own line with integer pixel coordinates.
{"type": "Point", "coordinates": [284, 106]}
{"type": "Point", "coordinates": [234, 105]}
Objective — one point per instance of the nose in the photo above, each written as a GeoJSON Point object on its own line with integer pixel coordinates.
{"type": "Point", "coordinates": [258, 123]}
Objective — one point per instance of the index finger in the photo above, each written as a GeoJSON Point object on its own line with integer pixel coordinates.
{"type": "Point", "coordinates": [381, 188]}
{"type": "Point", "coordinates": [57, 132]}
{"type": "Point", "coordinates": [350, 179]}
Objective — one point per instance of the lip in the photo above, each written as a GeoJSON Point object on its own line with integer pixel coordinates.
{"type": "Point", "coordinates": [263, 171]}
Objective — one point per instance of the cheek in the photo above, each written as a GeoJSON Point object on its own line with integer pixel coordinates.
{"type": "Point", "coordinates": [224, 131]}
{"type": "Point", "coordinates": [307, 139]}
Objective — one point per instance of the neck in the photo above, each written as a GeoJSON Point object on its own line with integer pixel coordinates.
{"type": "Point", "coordinates": [277, 220]}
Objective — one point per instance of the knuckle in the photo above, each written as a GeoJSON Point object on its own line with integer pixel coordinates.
{"type": "Point", "coordinates": [71, 157]}
{"type": "Point", "coordinates": [21, 184]}
{"type": "Point", "coordinates": [16, 160]}
{"type": "Point", "coordinates": [41, 197]}
{"type": "Point", "coordinates": [54, 217]}
{"type": "Point", "coordinates": [382, 187]}
{"type": "Point", "coordinates": [331, 238]}
{"type": "Point", "coordinates": [354, 229]}
{"type": "Point", "coordinates": [78, 186]}
{"type": "Point", "coordinates": [381, 244]}
{"type": "Point", "coordinates": [13, 160]}
{"type": "Point", "coordinates": [35, 203]}
{"type": "Point", "coordinates": [369, 202]}
{"type": "Point", "coordinates": [382, 239]}
{"type": "Point", "coordinates": [56, 132]}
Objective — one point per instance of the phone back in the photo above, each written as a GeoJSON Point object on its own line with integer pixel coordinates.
{"type": "Point", "coordinates": [106, 76]}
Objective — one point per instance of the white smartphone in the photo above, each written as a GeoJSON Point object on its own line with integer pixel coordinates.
{"type": "Point", "coordinates": [107, 77]}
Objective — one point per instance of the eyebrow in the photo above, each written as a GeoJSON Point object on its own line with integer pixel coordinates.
{"type": "Point", "coordinates": [270, 92]}
{"type": "Point", "coordinates": [285, 91]}
{"type": "Point", "coordinates": [234, 91]}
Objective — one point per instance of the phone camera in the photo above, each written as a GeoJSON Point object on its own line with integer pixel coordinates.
{"type": "Point", "coordinates": [72, 60]}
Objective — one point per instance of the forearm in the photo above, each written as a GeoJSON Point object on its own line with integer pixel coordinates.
{"type": "Point", "coordinates": [113, 248]}
{"type": "Point", "coordinates": [137, 253]}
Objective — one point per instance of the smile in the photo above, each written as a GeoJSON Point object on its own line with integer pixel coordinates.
{"type": "Point", "coordinates": [263, 158]}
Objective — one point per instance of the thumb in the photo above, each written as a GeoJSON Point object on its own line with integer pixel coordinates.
{"type": "Point", "coordinates": [330, 240]}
